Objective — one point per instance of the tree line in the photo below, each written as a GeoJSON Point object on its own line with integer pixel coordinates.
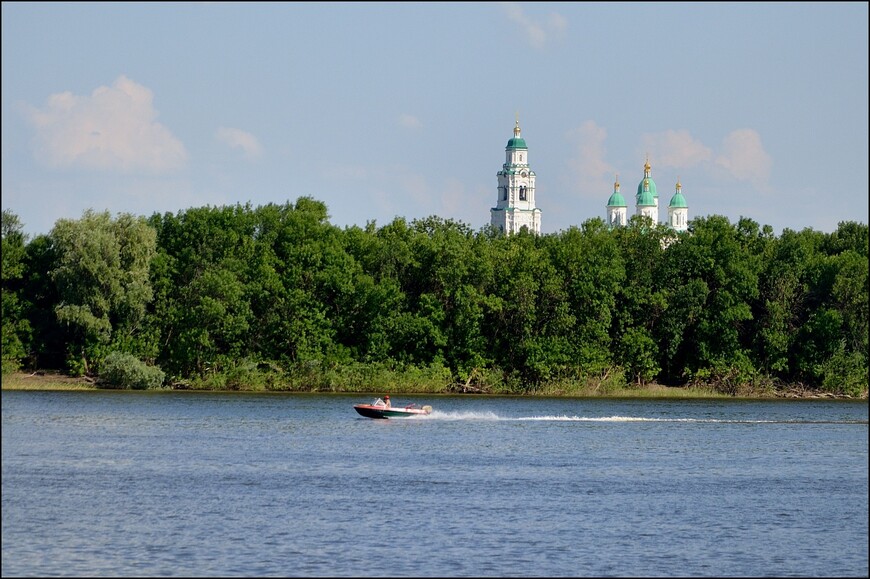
{"type": "Point", "coordinates": [277, 297]}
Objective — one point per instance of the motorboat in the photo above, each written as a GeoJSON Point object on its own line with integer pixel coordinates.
{"type": "Point", "coordinates": [379, 409]}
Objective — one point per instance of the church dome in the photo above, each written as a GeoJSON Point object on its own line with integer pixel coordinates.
{"type": "Point", "coordinates": [646, 179]}
{"type": "Point", "coordinates": [616, 199]}
{"type": "Point", "coordinates": [652, 187]}
{"type": "Point", "coordinates": [678, 201]}
{"type": "Point", "coordinates": [517, 143]}
{"type": "Point", "coordinates": [646, 200]}
{"type": "Point", "coordinates": [645, 196]}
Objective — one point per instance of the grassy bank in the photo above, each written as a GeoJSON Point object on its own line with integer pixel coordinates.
{"type": "Point", "coordinates": [48, 381]}
{"type": "Point", "coordinates": [53, 381]}
{"type": "Point", "coordinates": [45, 381]}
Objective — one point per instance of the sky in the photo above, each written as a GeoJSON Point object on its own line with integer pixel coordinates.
{"type": "Point", "coordinates": [385, 110]}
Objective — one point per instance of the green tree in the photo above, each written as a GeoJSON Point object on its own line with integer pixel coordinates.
{"type": "Point", "coordinates": [48, 344]}
{"type": "Point", "coordinates": [638, 353]}
{"type": "Point", "coordinates": [102, 279]}
{"type": "Point", "coordinates": [527, 321]}
{"type": "Point", "coordinates": [641, 299]}
{"type": "Point", "coordinates": [720, 263]}
{"type": "Point", "coordinates": [200, 275]}
{"type": "Point", "coordinates": [16, 330]}
{"type": "Point", "coordinates": [592, 271]}
{"type": "Point", "coordinates": [452, 266]}
{"type": "Point", "coordinates": [834, 345]}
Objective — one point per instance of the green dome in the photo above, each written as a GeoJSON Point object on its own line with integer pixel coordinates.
{"type": "Point", "coordinates": [645, 199]}
{"type": "Point", "coordinates": [616, 200]}
{"type": "Point", "coordinates": [678, 201]}
{"type": "Point", "coordinates": [517, 143]}
{"type": "Point", "coordinates": [652, 187]}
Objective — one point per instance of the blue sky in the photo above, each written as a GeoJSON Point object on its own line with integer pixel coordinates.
{"type": "Point", "coordinates": [404, 109]}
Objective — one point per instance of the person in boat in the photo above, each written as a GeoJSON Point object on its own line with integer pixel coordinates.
{"type": "Point", "coordinates": [387, 401]}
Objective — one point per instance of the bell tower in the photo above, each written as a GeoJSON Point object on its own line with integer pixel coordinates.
{"type": "Point", "coordinates": [515, 202]}
{"type": "Point", "coordinates": [617, 210]}
{"type": "Point", "coordinates": [678, 210]}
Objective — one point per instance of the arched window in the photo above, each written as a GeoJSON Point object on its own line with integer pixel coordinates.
{"type": "Point", "coordinates": [522, 192]}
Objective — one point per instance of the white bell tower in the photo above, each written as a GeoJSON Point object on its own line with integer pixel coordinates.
{"type": "Point", "coordinates": [515, 205]}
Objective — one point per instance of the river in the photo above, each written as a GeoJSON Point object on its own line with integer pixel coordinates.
{"type": "Point", "coordinates": [179, 484]}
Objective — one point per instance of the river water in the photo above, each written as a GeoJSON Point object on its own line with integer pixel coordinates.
{"type": "Point", "coordinates": [230, 484]}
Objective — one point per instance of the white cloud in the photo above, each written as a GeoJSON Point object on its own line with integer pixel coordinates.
{"type": "Point", "coordinates": [537, 33]}
{"type": "Point", "coordinates": [240, 139]}
{"type": "Point", "coordinates": [675, 149]}
{"type": "Point", "coordinates": [409, 121]}
{"type": "Point", "coordinates": [112, 129]}
{"type": "Point", "coordinates": [592, 175]}
{"type": "Point", "coordinates": [744, 157]}
{"type": "Point", "coordinates": [558, 23]}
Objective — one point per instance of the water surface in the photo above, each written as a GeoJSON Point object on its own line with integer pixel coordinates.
{"type": "Point", "coordinates": [207, 484]}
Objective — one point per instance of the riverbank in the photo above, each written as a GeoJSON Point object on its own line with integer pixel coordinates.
{"type": "Point", "coordinates": [50, 381]}
{"type": "Point", "coordinates": [45, 381]}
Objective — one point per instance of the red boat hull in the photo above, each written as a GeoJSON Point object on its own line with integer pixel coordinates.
{"type": "Point", "coordinates": [372, 411]}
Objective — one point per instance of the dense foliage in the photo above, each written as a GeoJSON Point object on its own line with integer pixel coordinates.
{"type": "Point", "coordinates": [277, 297]}
{"type": "Point", "coordinates": [126, 371]}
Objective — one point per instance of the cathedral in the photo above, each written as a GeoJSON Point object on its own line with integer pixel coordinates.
{"type": "Point", "coordinates": [515, 204]}
{"type": "Point", "coordinates": [646, 203]}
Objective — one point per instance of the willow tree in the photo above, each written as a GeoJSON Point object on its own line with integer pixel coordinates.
{"type": "Point", "coordinates": [102, 280]}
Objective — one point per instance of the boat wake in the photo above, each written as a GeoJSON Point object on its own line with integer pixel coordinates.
{"type": "Point", "coordinates": [491, 416]}
{"type": "Point", "coordinates": [436, 415]}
